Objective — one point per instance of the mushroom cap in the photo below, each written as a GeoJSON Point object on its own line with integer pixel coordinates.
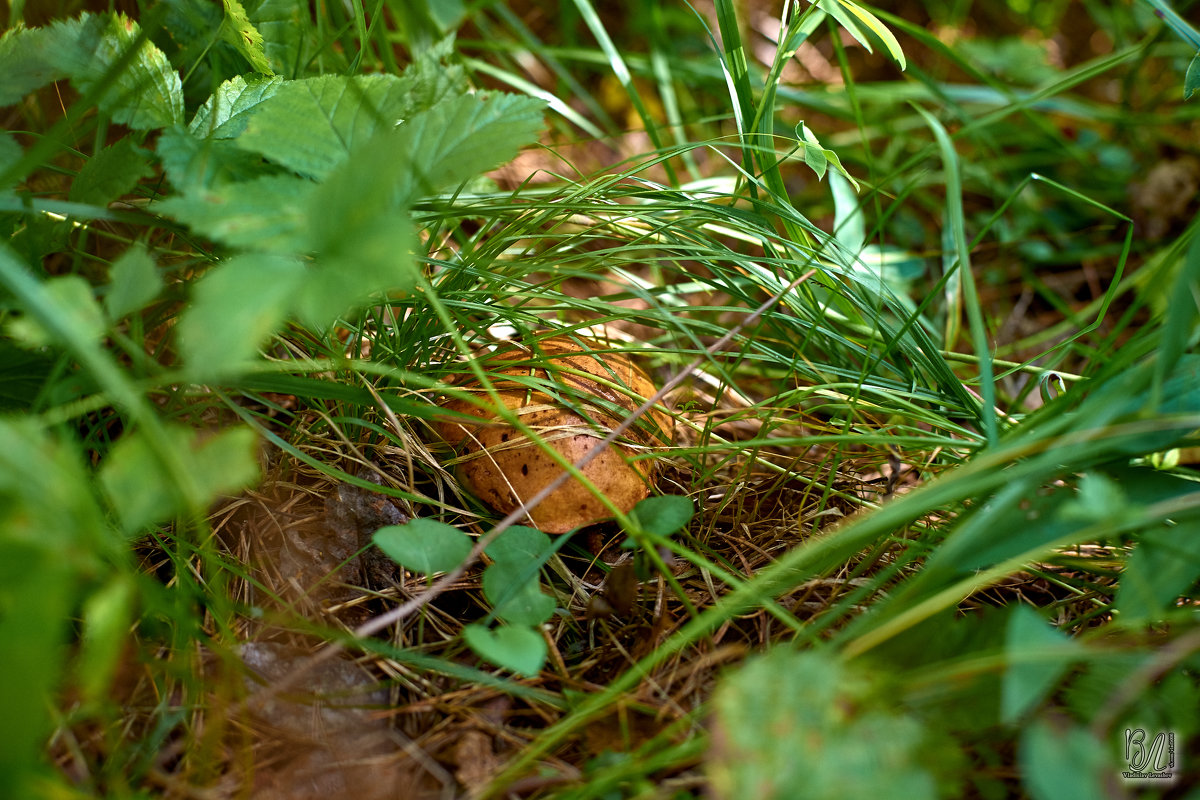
{"type": "Point", "coordinates": [571, 394]}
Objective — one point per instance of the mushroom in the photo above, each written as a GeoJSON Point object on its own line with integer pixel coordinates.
{"type": "Point", "coordinates": [571, 394]}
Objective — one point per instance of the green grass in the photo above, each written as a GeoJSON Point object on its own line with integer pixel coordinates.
{"type": "Point", "coordinates": [925, 526]}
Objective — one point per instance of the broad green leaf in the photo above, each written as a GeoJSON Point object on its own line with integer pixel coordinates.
{"type": "Point", "coordinates": [804, 719]}
{"type": "Point", "coordinates": [1191, 81]}
{"type": "Point", "coordinates": [663, 515]}
{"type": "Point", "coordinates": [267, 214]}
{"type": "Point", "coordinates": [311, 126]}
{"type": "Point", "coordinates": [424, 545]}
{"type": "Point", "coordinates": [1099, 497]}
{"type": "Point", "coordinates": [23, 372]}
{"type": "Point", "coordinates": [196, 164]}
{"type": "Point", "coordinates": [1164, 565]}
{"type": "Point", "coordinates": [26, 62]}
{"type": "Point", "coordinates": [147, 93]}
{"type": "Point", "coordinates": [75, 308]}
{"type": "Point", "coordinates": [107, 614]}
{"type": "Point", "coordinates": [111, 173]}
{"type": "Point", "coordinates": [1062, 761]}
{"type": "Point", "coordinates": [226, 114]}
{"type": "Point", "coordinates": [521, 546]}
{"type": "Point", "coordinates": [516, 597]}
{"type": "Point", "coordinates": [234, 308]}
{"type": "Point", "coordinates": [134, 281]}
{"type": "Point", "coordinates": [522, 650]}
{"type": "Point", "coordinates": [460, 138]}
{"type": "Point", "coordinates": [1038, 655]}
{"type": "Point", "coordinates": [241, 33]}
{"type": "Point", "coordinates": [141, 493]}
{"type": "Point", "coordinates": [363, 241]}
{"type": "Point", "coordinates": [289, 36]}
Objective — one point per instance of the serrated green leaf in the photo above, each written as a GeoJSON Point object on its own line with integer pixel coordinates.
{"type": "Point", "coordinates": [267, 214]}
{"type": "Point", "coordinates": [1063, 761]}
{"type": "Point", "coordinates": [289, 37]}
{"type": "Point", "coordinates": [663, 515]}
{"type": "Point", "coordinates": [238, 30]}
{"type": "Point", "coordinates": [424, 545]}
{"type": "Point", "coordinates": [515, 597]}
{"type": "Point", "coordinates": [139, 490]}
{"type": "Point", "coordinates": [107, 614]}
{"type": "Point", "coordinates": [147, 93]}
{"type": "Point", "coordinates": [462, 137]}
{"type": "Point", "coordinates": [196, 164]}
{"type": "Point", "coordinates": [75, 307]}
{"type": "Point", "coordinates": [226, 114]}
{"type": "Point", "coordinates": [111, 173]}
{"type": "Point", "coordinates": [25, 61]}
{"type": "Point", "coordinates": [522, 650]}
{"type": "Point", "coordinates": [311, 126]}
{"type": "Point", "coordinates": [133, 282]}
{"type": "Point", "coordinates": [804, 719]}
{"type": "Point", "coordinates": [234, 308]}
{"type": "Point", "coordinates": [1038, 655]}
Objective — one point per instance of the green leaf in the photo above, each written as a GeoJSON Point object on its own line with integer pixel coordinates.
{"type": "Point", "coordinates": [663, 515]}
{"type": "Point", "coordinates": [817, 157]}
{"type": "Point", "coordinates": [363, 240]}
{"type": "Point", "coordinates": [311, 126]}
{"type": "Point", "coordinates": [267, 214]}
{"type": "Point", "coordinates": [70, 300]}
{"type": "Point", "coordinates": [851, 15]}
{"type": "Point", "coordinates": [1191, 81]}
{"type": "Point", "coordinates": [107, 614]}
{"type": "Point", "coordinates": [142, 495]}
{"type": "Point", "coordinates": [194, 165]}
{"type": "Point", "coordinates": [516, 597]}
{"type": "Point", "coordinates": [1164, 565]}
{"type": "Point", "coordinates": [522, 650]}
{"type": "Point", "coordinates": [1099, 498]}
{"type": "Point", "coordinates": [147, 93]}
{"type": "Point", "coordinates": [424, 545]}
{"type": "Point", "coordinates": [462, 137]}
{"type": "Point", "coordinates": [226, 114]}
{"type": "Point", "coordinates": [1038, 655]}
{"type": "Point", "coordinates": [235, 307]}
{"type": "Point", "coordinates": [289, 37]}
{"type": "Point", "coordinates": [804, 719]}
{"type": "Point", "coordinates": [23, 372]}
{"type": "Point", "coordinates": [111, 173]}
{"type": "Point", "coordinates": [241, 33]}
{"type": "Point", "coordinates": [26, 63]}
{"type": "Point", "coordinates": [134, 281]}
{"type": "Point", "coordinates": [521, 546]}
{"type": "Point", "coordinates": [1063, 761]}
